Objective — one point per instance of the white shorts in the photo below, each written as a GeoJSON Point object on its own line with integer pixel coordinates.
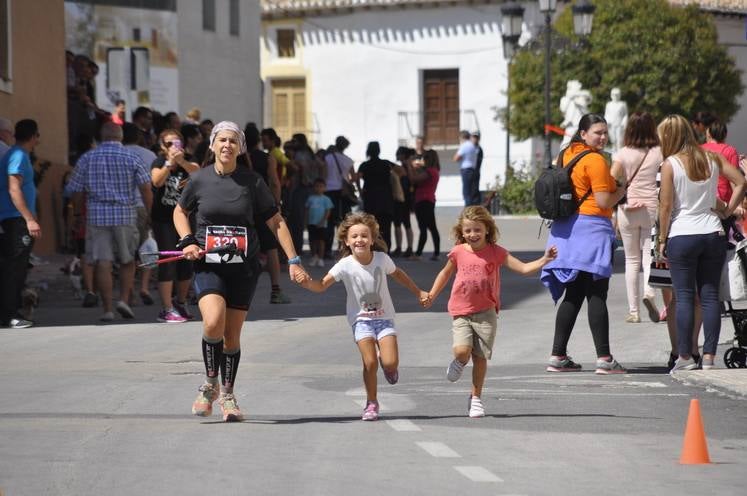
{"type": "Point", "coordinates": [375, 329]}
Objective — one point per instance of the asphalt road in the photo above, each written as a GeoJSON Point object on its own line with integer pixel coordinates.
{"type": "Point", "coordinates": [88, 409]}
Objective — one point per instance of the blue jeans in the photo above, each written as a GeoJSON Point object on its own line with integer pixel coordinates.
{"type": "Point", "coordinates": [695, 262]}
{"type": "Point", "coordinates": [470, 190]}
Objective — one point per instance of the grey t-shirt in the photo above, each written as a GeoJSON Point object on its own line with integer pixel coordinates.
{"type": "Point", "coordinates": [229, 200]}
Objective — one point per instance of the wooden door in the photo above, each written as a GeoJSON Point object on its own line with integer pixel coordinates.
{"type": "Point", "coordinates": [441, 106]}
{"type": "Point", "coordinates": [289, 107]}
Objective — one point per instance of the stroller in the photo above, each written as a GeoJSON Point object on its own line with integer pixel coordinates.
{"type": "Point", "coordinates": [736, 356]}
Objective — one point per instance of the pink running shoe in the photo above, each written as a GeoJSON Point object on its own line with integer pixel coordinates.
{"type": "Point", "coordinates": [230, 408]}
{"type": "Point", "coordinates": [203, 405]}
{"type": "Point", "coordinates": [372, 411]}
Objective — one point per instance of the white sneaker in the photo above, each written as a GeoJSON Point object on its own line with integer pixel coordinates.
{"type": "Point", "coordinates": [454, 370]}
{"type": "Point", "coordinates": [124, 310]}
{"type": "Point", "coordinates": [476, 409]}
{"type": "Point", "coordinates": [320, 262]}
{"type": "Point", "coordinates": [314, 261]}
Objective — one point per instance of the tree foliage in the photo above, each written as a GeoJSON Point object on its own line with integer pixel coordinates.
{"type": "Point", "coordinates": [664, 59]}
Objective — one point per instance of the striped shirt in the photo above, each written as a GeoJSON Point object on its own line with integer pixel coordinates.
{"type": "Point", "coordinates": [110, 175]}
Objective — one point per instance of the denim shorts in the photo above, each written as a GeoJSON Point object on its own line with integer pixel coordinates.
{"type": "Point", "coordinates": [374, 329]}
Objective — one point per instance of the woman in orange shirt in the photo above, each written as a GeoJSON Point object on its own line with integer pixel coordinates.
{"type": "Point", "coordinates": [585, 243]}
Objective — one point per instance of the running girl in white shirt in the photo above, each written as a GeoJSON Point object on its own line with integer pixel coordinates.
{"type": "Point", "coordinates": [363, 269]}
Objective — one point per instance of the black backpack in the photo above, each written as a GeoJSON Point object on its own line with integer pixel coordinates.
{"type": "Point", "coordinates": [553, 191]}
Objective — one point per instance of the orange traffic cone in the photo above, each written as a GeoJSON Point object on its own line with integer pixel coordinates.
{"type": "Point", "coordinates": [694, 449]}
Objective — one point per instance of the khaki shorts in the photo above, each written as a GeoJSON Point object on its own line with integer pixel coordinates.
{"type": "Point", "coordinates": [476, 331]}
{"type": "Point", "coordinates": [110, 243]}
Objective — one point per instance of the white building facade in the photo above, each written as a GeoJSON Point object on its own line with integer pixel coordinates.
{"type": "Point", "coordinates": [387, 71]}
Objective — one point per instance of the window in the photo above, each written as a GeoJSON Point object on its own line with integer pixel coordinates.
{"type": "Point", "coordinates": [286, 43]}
{"type": "Point", "coordinates": [208, 15]}
{"type": "Point", "coordinates": [233, 19]}
{"type": "Point", "coordinates": [5, 46]}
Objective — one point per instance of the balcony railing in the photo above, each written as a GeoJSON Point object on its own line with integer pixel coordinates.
{"type": "Point", "coordinates": [412, 123]}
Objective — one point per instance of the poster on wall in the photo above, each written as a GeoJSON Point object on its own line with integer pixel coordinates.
{"type": "Point", "coordinates": [135, 49]}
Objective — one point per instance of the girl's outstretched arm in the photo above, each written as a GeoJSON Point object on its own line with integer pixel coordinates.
{"type": "Point", "coordinates": [401, 277]}
{"type": "Point", "coordinates": [319, 286]}
{"type": "Point", "coordinates": [441, 279]}
{"type": "Point", "coordinates": [527, 268]}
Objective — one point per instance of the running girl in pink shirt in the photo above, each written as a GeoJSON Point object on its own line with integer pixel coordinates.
{"type": "Point", "coordinates": [475, 295]}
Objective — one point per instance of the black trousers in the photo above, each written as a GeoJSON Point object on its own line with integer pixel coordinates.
{"type": "Point", "coordinates": [425, 214]}
{"type": "Point", "coordinates": [15, 249]}
{"type": "Point", "coordinates": [595, 293]}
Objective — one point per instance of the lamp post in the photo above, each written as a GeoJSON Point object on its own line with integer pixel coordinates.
{"type": "Point", "coordinates": [512, 17]}
{"type": "Point", "coordinates": [583, 16]}
{"type": "Point", "coordinates": [548, 7]}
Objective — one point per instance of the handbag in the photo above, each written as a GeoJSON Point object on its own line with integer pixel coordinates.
{"type": "Point", "coordinates": [659, 277]}
{"type": "Point", "coordinates": [347, 192]}
{"type": "Point", "coordinates": [624, 199]}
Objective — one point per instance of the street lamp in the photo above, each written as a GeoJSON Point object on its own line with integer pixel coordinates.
{"type": "Point", "coordinates": [583, 15]}
{"type": "Point", "coordinates": [512, 17]}
{"type": "Point", "coordinates": [548, 7]}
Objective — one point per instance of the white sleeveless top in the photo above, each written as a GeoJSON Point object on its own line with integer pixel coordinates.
{"type": "Point", "coordinates": [693, 201]}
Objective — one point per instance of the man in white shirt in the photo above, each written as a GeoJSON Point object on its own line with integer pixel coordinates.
{"type": "Point", "coordinates": [6, 135]}
{"type": "Point", "coordinates": [339, 168]}
{"type": "Point", "coordinates": [466, 155]}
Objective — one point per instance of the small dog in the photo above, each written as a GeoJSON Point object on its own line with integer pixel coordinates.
{"type": "Point", "coordinates": [29, 302]}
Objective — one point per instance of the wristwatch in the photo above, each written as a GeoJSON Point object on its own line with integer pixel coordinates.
{"type": "Point", "coordinates": [294, 261]}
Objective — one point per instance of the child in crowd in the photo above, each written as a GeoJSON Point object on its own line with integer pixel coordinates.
{"type": "Point", "coordinates": [363, 269]}
{"type": "Point", "coordinates": [318, 210]}
{"type": "Point", "coordinates": [475, 295]}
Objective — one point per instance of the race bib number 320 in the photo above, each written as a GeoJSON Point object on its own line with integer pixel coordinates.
{"type": "Point", "coordinates": [217, 237]}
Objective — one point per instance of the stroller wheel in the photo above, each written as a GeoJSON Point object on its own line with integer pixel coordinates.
{"type": "Point", "coordinates": [735, 358]}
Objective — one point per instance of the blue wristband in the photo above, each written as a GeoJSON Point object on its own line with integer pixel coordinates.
{"type": "Point", "coordinates": [294, 261]}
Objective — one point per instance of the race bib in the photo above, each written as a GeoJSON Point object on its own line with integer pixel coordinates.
{"type": "Point", "coordinates": [218, 236]}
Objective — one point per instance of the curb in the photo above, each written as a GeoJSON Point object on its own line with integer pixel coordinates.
{"type": "Point", "coordinates": [731, 382]}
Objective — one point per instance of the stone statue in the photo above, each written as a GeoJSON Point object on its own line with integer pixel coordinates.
{"type": "Point", "coordinates": [574, 104]}
{"type": "Point", "coordinates": [616, 115]}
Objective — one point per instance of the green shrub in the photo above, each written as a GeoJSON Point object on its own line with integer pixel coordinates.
{"type": "Point", "coordinates": [516, 194]}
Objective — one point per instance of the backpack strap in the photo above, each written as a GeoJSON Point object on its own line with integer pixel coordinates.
{"type": "Point", "coordinates": [572, 164]}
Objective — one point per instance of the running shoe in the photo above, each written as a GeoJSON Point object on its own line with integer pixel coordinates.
{"type": "Point", "coordinates": [607, 367]}
{"type": "Point", "coordinates": [107, 317]}
{"type": "Point", "coordinates": [170, 316]}
{"type": "Point", "coordinates": [562, 364]}
{"type": "Point", "coordinates": [653, 312]}
{"type": "Point", "coordinates": [230, 408]}
{"type": "Point", "coordinates": [25, 324]}
{"type": "Point", "coordinates": [476, 409]}
{"type": "Point", "coordinates": [203, 405]}
{"type": "Point", "coordinates": [278, 297]}
{"type": "Point", "coordinates": [320, 262]}
{"type": "Point", "coordinates": [371, 412]}
{"type": "Point", "coordinates": [90, 300]}
{"type": "Point", "coordinates": [682, 364]}
{"type": "Point", "coordinates": [125, 310]}
{"type": "Point", "coordinates": [181, 308]}
{"type": "Point", "coordinates": [454, 370]}
{"type": "Point", "coordinates": [707, 363]}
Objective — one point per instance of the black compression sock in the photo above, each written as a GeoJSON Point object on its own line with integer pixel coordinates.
{"type": "Point", "coordinates": [229, 366]}
{"type": "Point", "coordinates": [212, 355]}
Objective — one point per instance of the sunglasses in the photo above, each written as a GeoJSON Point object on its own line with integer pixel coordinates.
{"type": "Point", "coordinates": [168, 144]}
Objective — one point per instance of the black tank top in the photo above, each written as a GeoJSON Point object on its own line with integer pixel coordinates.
{"type": "Point", "coordinates": [259, 163]}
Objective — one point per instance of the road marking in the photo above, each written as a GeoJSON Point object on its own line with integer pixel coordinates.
{"type": "Point", "coordinates": [478, 474]}
{"type": "Point", "coordinates": [403, 425]}
{"type": "Point", "coordinates": [438, 450]}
